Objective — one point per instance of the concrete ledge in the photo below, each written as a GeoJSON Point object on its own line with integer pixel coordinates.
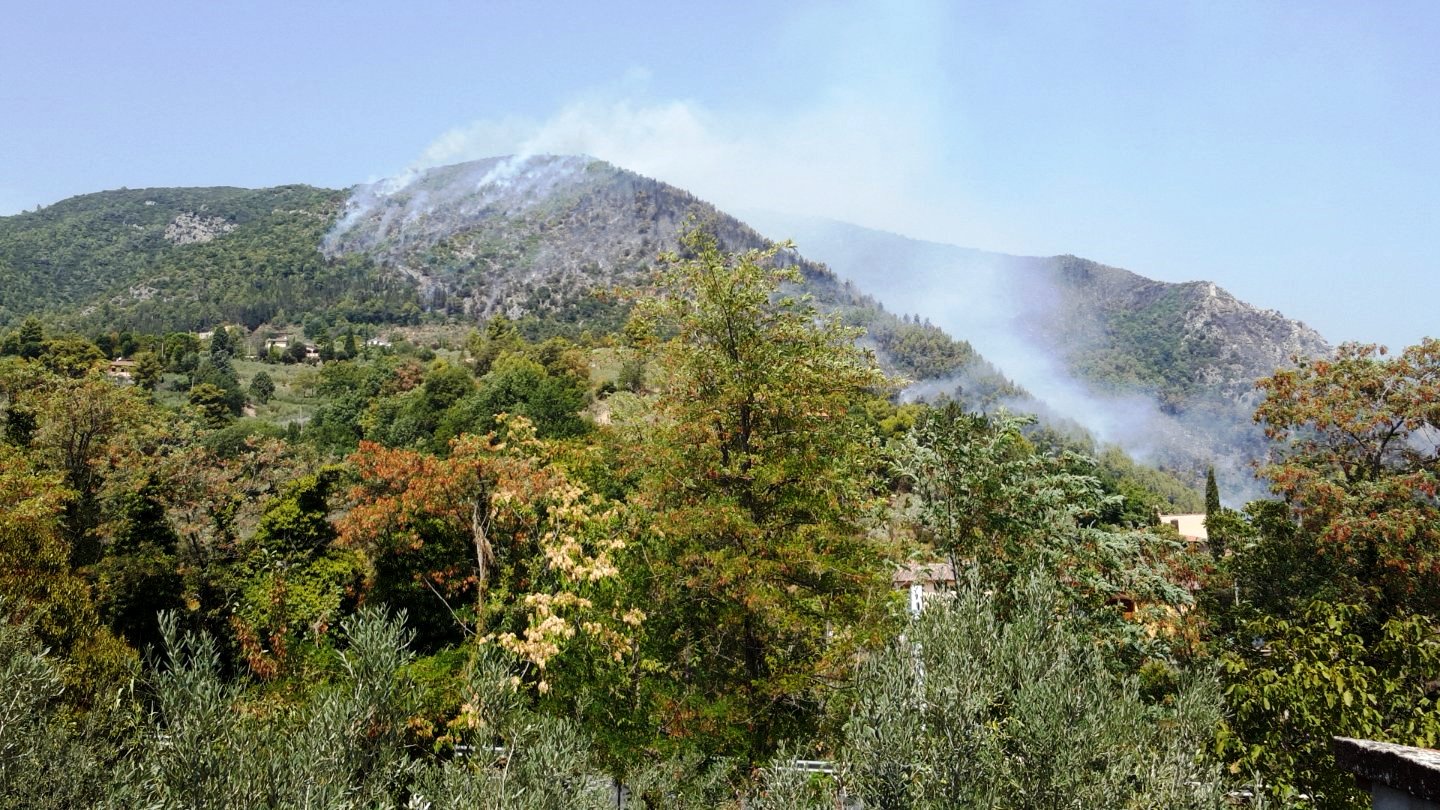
{"type": "Point", "coordinates": [1402, 768]}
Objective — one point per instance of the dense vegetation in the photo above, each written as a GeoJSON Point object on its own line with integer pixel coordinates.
{"type": "Point", "coordinates": [447, 247]}
{"type": "Point", "coordinates": [156, 260]}
{"type": "Point", "coordinates": [489, 570]}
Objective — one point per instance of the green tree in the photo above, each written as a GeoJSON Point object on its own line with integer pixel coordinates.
{"type": "Point", "coordinates": [1337, 587]}
{"type": "Point", "coordinates": [220, 342]}
{"type": "Point", "coordinates": [175, 346]}
{"type": "Point", "coordinates": [500, 336]}
{"type": "Point", "coordinates": [1293, 684]}
{"type": "Point", "coordinates": [39, 585]}
{"type": "Point", "coordinates": [218, 372]}
{"type": "Point", "coordinates": [342, 747]}
{"type": "Point", "coordinates": [71, 356]}
{"type": "Point", "coordinates": [1004, 701]}
{"type": "Point", "coordinates": [262, 387]}
{"type": "Point", "coordinates": [764, 583]}
{"type": "Point", "coordinates": [294, 585]}
{"type": "Point", "coordinates": [30, 338]}
{"type": "Point", "coordinates": [213, 403]}
{"type": "Point", "coordinates": [1212, 494]}
{"type": "Point", "coordinates": [294, 353]}
{"type": "Point", "coordinates": [516, 384]}
{"type": "Point", "coordinates": [52, 758]}
{"type": "Point", "coordinates": [139, 575]}
{"type": "Point", "coordinates": [992, 504]}
{"type": "Point", "coordinates": [148, 370]}
{"type": "Point", "coordinates": [98, 435]}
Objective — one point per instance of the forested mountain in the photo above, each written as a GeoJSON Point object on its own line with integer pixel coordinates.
{"type": "Point", "coordinates": [186, 258]}
{"type": "Point", "coordinates": [1176, 363]}
{"type": "Point", "coordinates": [539, 536]}
{"type": "Point", "coordinates": [544, 240]}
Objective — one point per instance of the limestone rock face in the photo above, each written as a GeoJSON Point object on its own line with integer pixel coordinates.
{"type": "Point", "coordinates": [192, 228]}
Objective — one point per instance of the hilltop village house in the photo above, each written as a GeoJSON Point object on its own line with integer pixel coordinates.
{"type": "Point", "coordinates": [121, 369]}
{"type": "Point", "coordinates": [1190, 526]}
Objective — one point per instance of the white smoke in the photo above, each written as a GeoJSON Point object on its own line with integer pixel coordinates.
{"type": "Point", "coordinates": [844, 156]}
{"type": "Point", "coordinates": [417, 203]}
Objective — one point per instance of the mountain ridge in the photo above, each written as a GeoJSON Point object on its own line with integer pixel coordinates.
{"type": "Point", "coordinates": [1088, 338]}
{"type": "Point", "coordinates": [469, 240]}
{"type": "Point", "coordinates": [535, 238]}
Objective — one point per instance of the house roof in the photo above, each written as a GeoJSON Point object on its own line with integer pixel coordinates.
{"type": "Point", "coordinates": [911, 573]}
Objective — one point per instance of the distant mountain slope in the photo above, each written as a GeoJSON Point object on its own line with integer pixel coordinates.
{"type": "Point", "coordinates": [1166, 369]}
{"type": "Point", "coordinates": [535, 238]}
{"type": "Point", "coordinates": [1124, 330]}
{"type": "Point", "coordinates": [173, 258]}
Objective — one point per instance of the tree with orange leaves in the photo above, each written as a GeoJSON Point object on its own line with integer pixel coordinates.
{"type": "Point", "coordinates": [1361, 467]}
{"type": "Point", "coordinates": [495, 540]}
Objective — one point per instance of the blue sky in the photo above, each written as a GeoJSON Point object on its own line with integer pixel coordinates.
{"type": "Point", "coordinates": [1288, 151]}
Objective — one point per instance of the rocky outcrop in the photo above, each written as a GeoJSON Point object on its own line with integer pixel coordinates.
{"type": "Point", "coordinates": [191, 228]}
{"type": "Point", "coordinates": [1255, 341]}
{"type": "Point", "coordinates": [1102, 317]}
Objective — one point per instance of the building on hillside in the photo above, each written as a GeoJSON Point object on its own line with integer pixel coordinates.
{"type": "Point", "coordinates": [1165, 619]}
{"type": "Point", "coordinates": [922, 581]}
{"type": "Point", "coordinates": [1191, 526]}
{"type": "Point", "coordinates": [121, 369]}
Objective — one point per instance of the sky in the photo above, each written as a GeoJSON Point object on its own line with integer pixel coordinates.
{"type": "Point", "coordinates": [1288, 151]}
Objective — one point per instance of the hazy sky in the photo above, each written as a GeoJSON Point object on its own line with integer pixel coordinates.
{"type": "Point", "coordinates": [1289, 151]}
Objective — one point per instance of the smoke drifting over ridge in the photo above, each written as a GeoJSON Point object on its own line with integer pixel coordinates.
{"type": "Point", "coordinates": [1017, 313]}
{"type": "Point", "coordinates": [859, 153]}
{"type": "Point", "coordinates": [1001, 304]}
{"type": "Point", "coordinates": [850, 156]}
{"type": "Point", "coordinates": [421, 205]}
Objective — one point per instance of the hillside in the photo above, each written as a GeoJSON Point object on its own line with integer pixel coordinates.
{"type": "Point", "coordinates": [1180, 340]}
{"type": "Point", "coordinates": [537, 238]}
{"type": "Point", "coordinates": [1166, 369]}
{"type": "Point", "coordinates": [183, 258]}
{"type": "Point", "coordinates": [541, 239]}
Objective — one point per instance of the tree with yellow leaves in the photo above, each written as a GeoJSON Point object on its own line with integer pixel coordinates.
{"type": "Point", "coordinates": [494, 541]}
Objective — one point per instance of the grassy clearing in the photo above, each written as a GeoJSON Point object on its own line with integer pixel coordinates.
{"type": "Point", "coordinates": [295, 399]}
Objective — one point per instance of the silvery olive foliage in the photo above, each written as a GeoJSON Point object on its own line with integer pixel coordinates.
{"type": "Point", "coordinates": [49, 759]}
{"type": "Point", "coordinates": [205, 743]}
{"type": "Point", "coordinates": [1010, 705]}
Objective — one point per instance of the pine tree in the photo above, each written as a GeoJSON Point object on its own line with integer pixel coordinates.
{"type": "Point", "coordinates": [31, 339]}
